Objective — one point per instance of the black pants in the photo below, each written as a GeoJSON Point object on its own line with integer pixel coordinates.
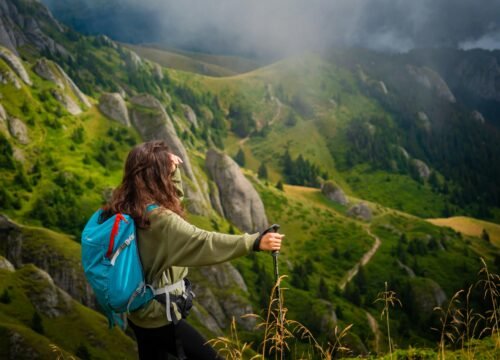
{"type": "Point", "coordinates": [157, 343]}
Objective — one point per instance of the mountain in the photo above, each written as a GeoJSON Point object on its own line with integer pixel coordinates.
{"type": "Point", "coordinates": [363, 148]}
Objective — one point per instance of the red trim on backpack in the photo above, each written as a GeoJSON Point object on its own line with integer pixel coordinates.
{"type": "Point", "coordinates": [114, 231]}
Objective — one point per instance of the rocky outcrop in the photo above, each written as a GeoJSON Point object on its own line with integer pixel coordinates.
{"type": "Point", "coordinates": [423, 121]}
{"type": "Point", "coordinates": [404, 152]}
{"type": "Point", "coordinates": [432, 81]}
{"type": "Point", "coordinates": [423, 170]}
{"type": "Point", "coordinates": [15, 64]}
{"type": "Point", "coordinates": [3, 120]}
{"type": "Point", "coordinates": [240, 202]}
{"type": "Point", "coordinates": [44, 69]}
{"type": "Point", "coordinates": [48, 299]}
{"type": "Point", "coordinates": [426, 294]}
{"type": "Point", "coordinates": [18, 154]}
{"type": "Point", "coordinates": [224, 276]}
{"type": "Point", "coordinates": [237, 306]}
{"type": "Point", "coordinates": [6, 264]}
{"type": "Point", "coordinates": [206, 319]}
{"type": "Point", "coordinates": [476, 115]}
{"type": "Point", "coordinates": [360, 211]}
{"type": "Point", "coordinates": [113, 106]}
{"type": "Point", "coordinates": [215, 198]}
{"type": "Point", "coordinates": [52, 72]}
{"type": "Point", "coordinates": [66, 101]}
{"type": "Point", "coordinates": [153, 123]}
{"type": "Point", "coordinates": [383, 88]}
{"type": "Point", "coordinates": [157, 72]}
{"type": "Point", "coordinates": [190, 115]}
{"type": "Point", "coordinates": [7, 76]}
{"type": "Point", "coordinates": [132, 60]}
{"type": "Point", "coordinates": [22, 246]}
{"type": "Point", "coordinates": [334, 193]}
{"type": "Point", "coordinates": [206, 298]}
{"type": "Point", "coordinates": [19, 130]}
{"type": "Point", "coordinates": [19, 27]}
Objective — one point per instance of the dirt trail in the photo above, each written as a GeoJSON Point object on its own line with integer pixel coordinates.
{"type": "Point", "coordinates": [364, 260]}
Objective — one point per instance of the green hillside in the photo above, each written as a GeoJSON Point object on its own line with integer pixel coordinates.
{"type": "Point", "coordinates": [293, 126]}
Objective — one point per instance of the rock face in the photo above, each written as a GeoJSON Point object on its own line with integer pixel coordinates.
{"type": "Point", "coordinates": [18, 130]}
{"type": "Point", "coordinates": [21, 28]}
{"type": "Point", "coordinates": [113, 106]}
{"type": "Point", "coordinates": [15, 64]}
{"type": "Point", "coordinates": [189, 115]}
{"type": "Point", "coordinates": [361, 211]}
{"type": "Point", "coordinates": [153, 123]}
{"type": "Point", "coordinates": [240, 202]}
{"type": "Point", "coordinates": [50, 71]}
{"type": "Point", "coordinates": [49, 300]}
{"type": "Point", "coordinates": [432, 81]}
{"type": "Point", "coordinates": [21, 247]}
{"type": "Point", "coordinates": [224, 276]}
{"type": "Point", "coordinates": [334, 193]}
{"type": "Point", "coordinates": [423, 170]}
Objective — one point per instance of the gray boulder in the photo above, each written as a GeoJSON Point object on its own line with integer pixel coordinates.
{"type": "Point", "coordinates": [423, 170]}
{"type": "Point", "coordinates": [334, 193]}
{"type": "Point", "coordinates": [206, 298]}
{"type": "Point", "coordinates": [45, 69]}
{"type": "Point", "coordinates": [206, 319]}
{"type": "Point", "coordinates": [15, 64]}
{"type": "Point", "coordinates": [3, 120]}
{"type": "Point", "coordinates": [19, 130]}
{"type": "Point", "coordinates": [7, 76]}
{"type": "Point", "coordinates": [153, 123]}
{"type": "Point", "coordinates": [432, 81]}
{"type": "Point", "coordinates": [240, 202]}
{"type": "Point", "coordinates": [189, 114]}
{"type": "Point", "coordinates": [157, 72]}
{"type": "Point", "coordinates": [476, 115]}
{"type": "Point", "coordinates": [423, 121]}
{"type": "Point", "coordinates": [113, 106]}
{"type": "Point", "coordinates": [361, 211]}
{"type": "Point", "coordinates": [66, 101]}
{"type": "Point", "coordinates": [6, 265]}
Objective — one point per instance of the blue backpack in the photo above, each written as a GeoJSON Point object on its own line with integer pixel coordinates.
{"type": "Point", "coordinates": [110, 259]}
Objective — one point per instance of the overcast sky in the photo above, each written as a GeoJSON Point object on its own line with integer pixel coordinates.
{"type": "Point", "coordinates": [280, 27]}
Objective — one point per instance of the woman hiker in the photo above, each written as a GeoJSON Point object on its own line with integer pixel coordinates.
{"type": "Point", "coordinates": [151, 193]}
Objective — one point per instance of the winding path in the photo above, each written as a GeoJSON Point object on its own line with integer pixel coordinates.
{"type": "Point", "coordinates": [364, 260]}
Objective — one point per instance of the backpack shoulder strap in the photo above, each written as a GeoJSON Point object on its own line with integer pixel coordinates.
{"type": "Point", "coordinates": [151, 207]}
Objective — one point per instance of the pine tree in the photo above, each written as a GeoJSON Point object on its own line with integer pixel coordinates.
{"type": "Point", "coordinates": [323, 291]}
{"type": "Point", "coordinates": [37, 323]}
{"type": "Point", "coordinates": [485, 236]}
{"type": "Point", "coordinates": [5, 297]}
{"type": "Point", "coordinates": [279, 185]}
{"type": "Point", "coordinates": [240, 157]}
{"type": "Point", "coordinates": [262, 172]}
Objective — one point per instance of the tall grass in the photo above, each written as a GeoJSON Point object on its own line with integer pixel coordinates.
{"type": "Point", "coordinates": [462, 326]}
{"type": "Point", "coordinates": [389, 299]}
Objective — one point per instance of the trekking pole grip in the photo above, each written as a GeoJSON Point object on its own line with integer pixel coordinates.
{"type": "Point", "coordinates": [273, 229]}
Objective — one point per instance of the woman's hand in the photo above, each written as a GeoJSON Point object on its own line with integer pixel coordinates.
{"type": "Point", "coordinates": [271, 242]}
{"type": "Point", "coordinates": [175, 161]}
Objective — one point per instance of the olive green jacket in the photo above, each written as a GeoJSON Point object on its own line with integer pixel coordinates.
{"type": "Point", "coordinates": [169, 245]}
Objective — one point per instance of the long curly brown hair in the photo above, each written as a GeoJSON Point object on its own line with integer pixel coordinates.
{"type": "Point", "coordinates": [147, 180]}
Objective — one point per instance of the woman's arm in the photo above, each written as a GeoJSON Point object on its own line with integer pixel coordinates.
{"type": "Point", "coordinates": [184, 244]}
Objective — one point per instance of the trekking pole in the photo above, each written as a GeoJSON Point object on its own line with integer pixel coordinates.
{"type": "Point", "coordinates": [274, 228]}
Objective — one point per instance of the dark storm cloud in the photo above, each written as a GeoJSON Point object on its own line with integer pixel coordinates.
{"type": "Point", "coordinates": [277, 27]}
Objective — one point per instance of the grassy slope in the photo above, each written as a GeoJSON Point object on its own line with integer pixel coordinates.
{"type": "Point", "coordinates": [471, 227]}
{"type": "Point", "coordinates": [181, 62]}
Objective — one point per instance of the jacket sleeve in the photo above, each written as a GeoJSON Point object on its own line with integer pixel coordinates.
{"type": "Point", "coordinates": [177, 180]}
{"type": "Point", "coordinates": [187, 245]}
